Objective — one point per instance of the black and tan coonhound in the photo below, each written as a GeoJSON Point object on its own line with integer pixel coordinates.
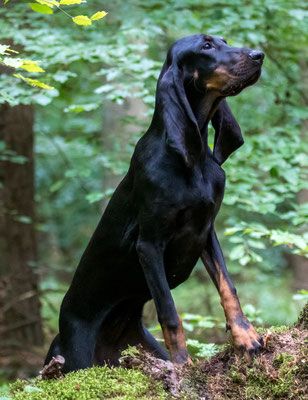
{"type": "Point", "coordinates": [160, 219]}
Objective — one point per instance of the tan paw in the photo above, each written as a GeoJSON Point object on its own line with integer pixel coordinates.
{"type": "Point", "coordinates": [180, 357]}
{"type": "Point", "coordinates": [246, 340]}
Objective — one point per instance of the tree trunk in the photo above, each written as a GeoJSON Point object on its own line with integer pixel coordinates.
{"type": "Point", "coordinates": [300, 263]}
{"type": "Point", "coordinates": [20, 319]}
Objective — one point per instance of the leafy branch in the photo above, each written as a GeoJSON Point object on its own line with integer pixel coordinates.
{"type": "Point", "coordinates": [7, 60]}
{"type": "Point", "coordinates": [48, 6]}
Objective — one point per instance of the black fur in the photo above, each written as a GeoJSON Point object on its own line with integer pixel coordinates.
{"type": "Point", "coordinates": [161, 216]}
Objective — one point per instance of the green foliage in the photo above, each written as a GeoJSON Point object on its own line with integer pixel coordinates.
{"type": "Point", "coordinates": [279, 373]}
{"type": "Point", "coordinates": [301, 295]}
{"type": "Point", "coordinates": [48, 6]}
{"type": "Point", "coordinates": [201, 350]}
{"type": "Point", "coordinates": [194, 321]}
{"type": "Point", "coordinates": [118, 62]}
{"type": "Point", "coordinates": [8, 60]}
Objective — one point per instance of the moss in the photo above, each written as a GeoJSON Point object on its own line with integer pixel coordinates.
{"type": "Point", "coordinates": [236, 376]}
{"type": "Point", "coordinates": [276, 384]}
{"type": "Point", "coordinates": [282, 359]}
{"type": "Point", "coordinates": [131, 351]}
{"type": "Point", "coordinates": [91, 384]}
{"type": "Point", "coordinates": [274, 329]}
{"type": "Point", "coordinates": [302, 321]}
{"type": "Point", "coordinates": [280, 372]}
{"type": "Point", "coordinates": [268, 380]}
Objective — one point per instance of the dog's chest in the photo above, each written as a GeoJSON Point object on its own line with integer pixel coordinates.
{"type": "Point", "coordinates": [193, 218]}
{"type": "Point", "coordinates": [199, 199]}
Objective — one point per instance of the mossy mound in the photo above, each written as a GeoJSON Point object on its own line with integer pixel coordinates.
{"type": "Point", "coordinates": [279, 372]}
{"type": "Point", "coordinates": [91, 384]}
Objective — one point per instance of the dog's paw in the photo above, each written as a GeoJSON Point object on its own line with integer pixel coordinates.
{"type": "Point", "coordinates": [246, 340]}
{"type": "Point", "coordinates": [181, 357]}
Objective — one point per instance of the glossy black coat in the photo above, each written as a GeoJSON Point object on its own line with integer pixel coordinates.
{"type": "Point", "coordinates": [158, 220]}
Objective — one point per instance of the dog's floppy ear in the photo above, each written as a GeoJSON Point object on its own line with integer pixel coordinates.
{"type": "Point", "coordinates": [228, 136]}
{"type": "Point", "coordinates": [182, 131]}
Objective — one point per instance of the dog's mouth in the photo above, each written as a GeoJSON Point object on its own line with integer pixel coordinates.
{"type": "Point", "coordinates": [241, 82]}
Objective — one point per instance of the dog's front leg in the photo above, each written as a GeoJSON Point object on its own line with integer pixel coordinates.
{"type": "Point", "coordinates": [151, 256]}
{"type": "Point", "coordinates": [244, 335]}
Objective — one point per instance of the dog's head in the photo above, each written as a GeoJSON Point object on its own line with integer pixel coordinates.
{"type": "Point", "coordinates": [215, 68]}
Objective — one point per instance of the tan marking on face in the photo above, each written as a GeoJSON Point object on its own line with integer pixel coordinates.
{"type": "Point", "coordinates": [196, 74]}
{"type": "Point", "coordinates": [219, 79]}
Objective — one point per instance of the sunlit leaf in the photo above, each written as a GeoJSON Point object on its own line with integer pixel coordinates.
{"type": "Point", "coordinates": [82, 20]}
{"type": "Point", "coordinates": [69, 2]}
{"type": "Point", "coordinates": [237, 252]}
{"type": "Point", "coordinates": [31, 66]}
{"type": "Point", "coordinates": [4, 48]}
{"type": "Point", "coordinates": [33, 82]}
{"type": "Point", "coordinates": [301, 295]}
{"type": "Point", "coordinates": [98, 15]}
{"type": "Point", "coordinates": [77, 108]}
{"type": "Point", "coordinates": [41, 8]}
{"type": "Point", "coordinates": [49, 3]}
{"type": "Point", "coordinates": [12, 62]}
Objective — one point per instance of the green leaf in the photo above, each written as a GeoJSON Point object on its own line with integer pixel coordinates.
{"type": "Point", "coordinates": [98, 15]}
{"type": "Point", "coordinates": [41, 8]}
{"type": "Point", "coordinates": [231, 231]}
{"type": "Point", "coordinates": [244, 260]}
{"type": "Point", "coordinates": [237, 252]}
{"type": "Point", "coordinates": [24, 219]}
{"type": "Point", "coordinates": [94, 197]}
{"type": "Point", "coordinates": [202, 350]}
{"type": "Point", "coordinates": [78, 108]}
{"type": "Point", "coordinates": [82, 20]}
{"type": "Point", "coordinates": [57, 186]}
{"type": "Point", "coordinates": [70, 2]}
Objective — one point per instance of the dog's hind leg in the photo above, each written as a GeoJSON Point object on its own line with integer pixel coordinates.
{"type": "Point", "coordinates": [78, 330]}
{"type": "Point", "coordinates": [151, 344]}
{"type": "Point", "coordinates": [54, 350]}
{"type": "Point", "coordinates": [122, 328]}
{"type": "Point", "coordinates": [77, 341]}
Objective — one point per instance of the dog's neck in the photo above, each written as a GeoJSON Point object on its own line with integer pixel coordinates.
{"type": "Point", "coordinates": [203, 104]}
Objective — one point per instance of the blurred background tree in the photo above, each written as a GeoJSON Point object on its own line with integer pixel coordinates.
{"type": "Point", "coordinates": [63, 149]}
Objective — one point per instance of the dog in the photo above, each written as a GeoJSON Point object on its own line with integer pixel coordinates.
{"type": "Point", "coordinates": [160, 219]}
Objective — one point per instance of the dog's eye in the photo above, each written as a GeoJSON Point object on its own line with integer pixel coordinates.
{"type": "Point", "coordinates": [207, 46]}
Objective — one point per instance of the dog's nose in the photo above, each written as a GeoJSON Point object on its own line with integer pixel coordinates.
{"type": "Point", "coordinates": [256, 55]}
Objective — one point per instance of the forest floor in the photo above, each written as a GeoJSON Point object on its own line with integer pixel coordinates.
{"type": "Point", "coordinates": [279, 372]}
